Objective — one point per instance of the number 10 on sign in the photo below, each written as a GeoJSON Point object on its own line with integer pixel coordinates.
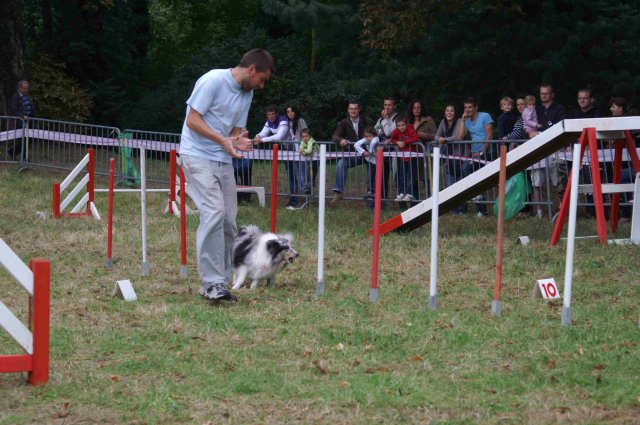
{"type": "Point", "coordinates": [548, 289]}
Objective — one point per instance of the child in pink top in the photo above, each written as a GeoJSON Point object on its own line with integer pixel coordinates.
{"type": "Point", "coordinates": [529, 117]}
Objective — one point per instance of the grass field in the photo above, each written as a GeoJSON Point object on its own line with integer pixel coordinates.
{"type": "Point", "coordinates": [280, 355]}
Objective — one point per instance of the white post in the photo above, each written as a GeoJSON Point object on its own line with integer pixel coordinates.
{"type": "Point", "coordinates": [321, 205]}
{"type": "Point", "coordinates": [435, 196]}
{"type": "Point", "coordinates": [571, 235]}
{"type": "Point", "coordinates": [143, 207]}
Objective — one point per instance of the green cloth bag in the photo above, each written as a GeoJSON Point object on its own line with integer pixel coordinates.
{"type": "Point", "coordinates": [515, 196]}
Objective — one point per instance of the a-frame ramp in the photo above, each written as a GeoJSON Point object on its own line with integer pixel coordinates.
{"type": "Point", "coordinates": [525, 155]}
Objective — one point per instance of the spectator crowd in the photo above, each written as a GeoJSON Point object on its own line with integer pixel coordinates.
{"type": "Point", "coordinates": [469, 139]}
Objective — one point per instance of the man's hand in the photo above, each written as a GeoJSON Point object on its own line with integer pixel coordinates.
{"type": "Point", "coordinates": [344, 143]}
{"type": "Point", "coordinates": [477, 154]}
{"type": "Point", "coordinates": [384, 114]}
{"type": "Point", "coordinates": [257, 139]}
{"type": "Point", "coordinates": [238, 143]}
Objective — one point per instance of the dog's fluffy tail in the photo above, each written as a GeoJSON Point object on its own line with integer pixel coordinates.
{"type": "Point", "coordinates": [249, 230]}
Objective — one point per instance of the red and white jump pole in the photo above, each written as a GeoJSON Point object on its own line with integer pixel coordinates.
{"type": "Point", "coordinates": [274, 199]}
{"type": "Point", "coordinates": [112, 171]}
{"type": "Point", "coordinates": [183, 225]}
{"type": "Point", "coordinates": [35, 279]}
{"type": "Point", "coordinates": [321, 211]}
{"type": "Point", "coordinates": [374, 294]}
{"type": "Point", "coordinates": [274, 189]}
{"type": "Point", "coordinates": [496, 306]}
{"type": "Point", "coordinates": [435, 217]}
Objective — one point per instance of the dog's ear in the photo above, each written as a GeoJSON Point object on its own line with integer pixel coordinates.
{"type": "Point", "coordinates": [274, 246]}
{"type": "Point", "coordinates": [287, 236]}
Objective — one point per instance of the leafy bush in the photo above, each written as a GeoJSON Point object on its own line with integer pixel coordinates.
{"type": "Point", "coordinates": [56, 95]}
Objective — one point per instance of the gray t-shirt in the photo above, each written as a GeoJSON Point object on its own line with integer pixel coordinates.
{"type": "Point", "coordinates": [223, 105]}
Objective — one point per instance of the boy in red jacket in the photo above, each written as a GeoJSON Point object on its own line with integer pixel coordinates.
{"type": "Point", "coordinates": [407, 176]}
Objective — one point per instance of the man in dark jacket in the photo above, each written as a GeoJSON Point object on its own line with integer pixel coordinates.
{"type": "Point", "coordinates": [21, 105]}
{"type": "Point", "coordinates": [550, 113]}
{"type": "Point", "coordinates": [348, 131]}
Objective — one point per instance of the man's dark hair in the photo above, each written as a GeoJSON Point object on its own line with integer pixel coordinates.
{"type": "Point", "coordinates": [547, 85]}
{"type": "Point", "coordinates": [471, 100]}
{"type": "Point", "coordinates": [370, 130]}
{"type": "Point", "coordinates": [260, 58]}
{"type": "Point", "coordinates": [271, 108]}
{"type": "Point", "coordinates": [586, 90]}
{"type": "Point", "coordinates": [353, 102]}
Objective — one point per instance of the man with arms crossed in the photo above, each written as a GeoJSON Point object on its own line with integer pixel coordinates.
{"type": "Point", "coordinates": [211, 136]}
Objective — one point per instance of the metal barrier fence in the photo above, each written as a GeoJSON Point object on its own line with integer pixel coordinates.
{"type": "Point", "coordinates": [61, 145]}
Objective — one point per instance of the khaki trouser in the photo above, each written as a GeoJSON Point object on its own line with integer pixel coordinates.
{"type": "Point", "coordinates": [212, 187]}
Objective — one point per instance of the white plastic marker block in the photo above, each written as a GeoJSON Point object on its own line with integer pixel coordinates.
{"type": "Point", "coordinates": [546, 288]}
{"type": "Point", "coordinates": [124, 290]}
{"type": "Point", "coordinates": [523, 240]}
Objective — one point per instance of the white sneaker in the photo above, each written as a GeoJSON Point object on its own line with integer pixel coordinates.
{"type": "Point", "coordinates": [479, 214]}
{"type": "Point", "coordinates": [400, 197]}
{"type": "Point", "coordinates": [539, 214]}
{"type": "Point", "coordinates": [407, 198]}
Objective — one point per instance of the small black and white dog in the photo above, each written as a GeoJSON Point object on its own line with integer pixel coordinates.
{"type": "Point", "coordinates": [258, 255]}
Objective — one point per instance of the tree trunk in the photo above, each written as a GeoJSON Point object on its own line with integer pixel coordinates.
{"type": "Point", "coordinates": [47, 24]}
{"type": "Point", "coordinates": [11, 51]}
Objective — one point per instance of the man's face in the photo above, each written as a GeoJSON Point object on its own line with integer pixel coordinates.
{"type": "Point", "coordinates": [24, 88]}
{"type": "Point", "coordinates": [353, 110]}
{"type": "Point", "coordinates": [272, 115]}
{"type": "Point", "coordinates": [546, 94]}
{"type": "Point", "coordinates": [389, 105]}
{"type": "Point", "coordinates": [584, 99]}
{"type": "Point", "coordinates": [255, 80]}
{"type": "Point", "coordinates": [470, 109]}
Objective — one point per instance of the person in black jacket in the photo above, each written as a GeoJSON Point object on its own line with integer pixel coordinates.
{"type": "Point", "coordinates": [348, 131]}
{"type": "Point", "coordinates": [21, 105]}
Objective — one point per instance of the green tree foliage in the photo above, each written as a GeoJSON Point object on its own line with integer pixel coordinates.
{"type": "Point", "coordinates": [102, 45]}
{"type": "Point", "coordinates": [490, 49]}
{"type": "Point", "coordinates": [56, 95]}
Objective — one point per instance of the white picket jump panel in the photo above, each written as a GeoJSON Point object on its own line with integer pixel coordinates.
{"type": "Point", "coordinates": [81, 204]}
{"type": "Point", "coordinates": [16, 268]}
{"type": "Point", "coordinates": [14, 327]}
{"type": "Point", "coordinates": [74, 173]}
{"type": "Point", "coordinates": [81, 185]}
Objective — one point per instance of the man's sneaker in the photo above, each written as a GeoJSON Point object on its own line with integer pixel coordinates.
{"type": "Point", "coordinates": [337, 196]}
{"type": "Point", "coordinates": [369, 195]}
{"type": "Point", "coordinates": [408, 197]}
{"type": "Point", "coordinates": [217, 292]}
{"type": "Point", "coordinates": [479, 214]}
{"type": "Point", "coordinates": [400, 197]}
{"type": "Point", "coordinates": [539, 214]}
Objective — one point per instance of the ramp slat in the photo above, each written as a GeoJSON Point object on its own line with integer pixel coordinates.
{"type": "Point", "coordinates": [16, 329]}
{"type": "Point", "coordinates": [16, 268]}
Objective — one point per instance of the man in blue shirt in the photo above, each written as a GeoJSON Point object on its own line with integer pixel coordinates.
{"type": "Point", "coordinates": [479, 126]}
{"type": "Point", "coordinates": [212, 135]}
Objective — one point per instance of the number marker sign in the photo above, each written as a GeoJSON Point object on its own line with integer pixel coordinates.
{"type": "Point", "coordinates": [546, 288]}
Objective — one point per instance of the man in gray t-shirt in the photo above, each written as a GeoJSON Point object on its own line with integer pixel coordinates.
{"type": "Point", "coordinates": [212, 135]}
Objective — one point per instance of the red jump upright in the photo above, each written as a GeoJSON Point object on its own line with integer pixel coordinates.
{"type": "Point", "coordinates": [34, 339]}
